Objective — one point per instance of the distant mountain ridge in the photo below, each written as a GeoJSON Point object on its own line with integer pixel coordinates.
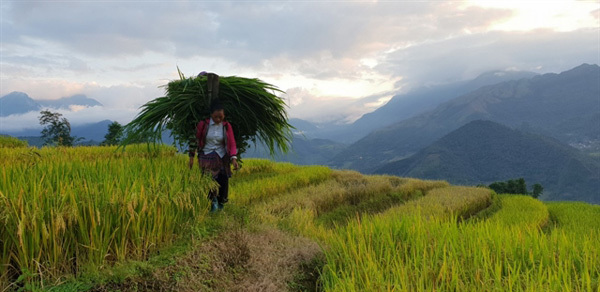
{"type": "Point", "coordinates": [20, 103]}
{"type": "Point", "coordinates": [91, 131]}
{"type": "Point", "coordinates": [407, 105]}
{"type": "Point", "coordinates": [482, 152]}
{"type": "Point", "coordinates": [303, 151]}
{"type": "Point", "coordinates": [565, 106]}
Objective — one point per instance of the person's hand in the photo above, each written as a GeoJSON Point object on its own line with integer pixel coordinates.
{"type": "Point", "coordinates": [235, 164]}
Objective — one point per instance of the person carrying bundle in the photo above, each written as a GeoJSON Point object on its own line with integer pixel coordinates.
{"type": "Point", "coordinates": [194, 109]}
{"type": "Point", "coordinates": [216, 152]}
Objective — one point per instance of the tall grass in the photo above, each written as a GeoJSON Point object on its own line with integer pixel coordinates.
{"type": "Point", "coordinates": [68, 210]}
{"type": "Point", "coordinates": [521, 211]}
{"type": "Point", "coordinates": [314, 210]}
{"type": "Point", "coordinates": [457, 201]}
{"type": "Point", "coordinates": [413, 252]}
{"type": "Point", "coordinates": [577, 217]}
{"type": "Point", "coordinates": [12, 142]}
{"type": "Point", "coordinates": [31, 156]}
{"type": "Point", "coordinates": [274, 180]}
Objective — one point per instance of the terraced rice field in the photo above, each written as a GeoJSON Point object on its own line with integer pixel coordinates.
{"type": "Point", "coordinates": [66, 213]}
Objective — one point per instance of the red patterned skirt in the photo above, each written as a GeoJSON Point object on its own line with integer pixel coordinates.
{"type": "Point", "coordinates": [213, 164]}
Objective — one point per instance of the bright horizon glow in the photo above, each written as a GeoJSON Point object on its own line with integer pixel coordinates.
{"type": "Point", "coordinates": [557, 15]}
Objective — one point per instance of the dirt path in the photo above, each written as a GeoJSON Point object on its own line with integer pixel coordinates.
{"type": "Point", "coordinates": [237, 260]}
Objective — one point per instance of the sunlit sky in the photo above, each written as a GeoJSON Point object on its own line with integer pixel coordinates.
{"type": "Point", "coordinates": [336, 60]}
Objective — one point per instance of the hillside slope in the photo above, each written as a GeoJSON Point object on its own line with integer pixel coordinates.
{"type": "Point", "coordinates": [405, 106]}
{"type": "Point", "coordinates": [303, 151]}
{"type": "Point", "coordinates": [565, 106]}
{"type": "Point", "coordinates": [484, 152]}
{"type": "Point", "coordinates": [17, 103]}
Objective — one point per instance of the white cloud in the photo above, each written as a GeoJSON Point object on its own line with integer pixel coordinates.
{"type": "Point", "coordinates": [125, 96]}
{"type": "Point", "coordinates": [41, 88]}
{"type": "Point", "coordinates": [328, 56]}
{"type": "Point", "coordinates": [557, 15]}
{"type": "Point", "coordinates": [467, 56]}
{"type": "Point", "coordinates": [14, 123]}
{"type": "Point", "coordinates": [331, 109]}
{"type": "Point", "coordinates": [81, 116]}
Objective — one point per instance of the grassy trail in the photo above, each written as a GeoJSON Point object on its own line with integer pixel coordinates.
{"type": "Point", "coordinates": [258, 244]}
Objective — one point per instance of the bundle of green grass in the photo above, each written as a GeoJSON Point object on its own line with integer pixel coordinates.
{"type": "Point", "coordinates": [251, 106]}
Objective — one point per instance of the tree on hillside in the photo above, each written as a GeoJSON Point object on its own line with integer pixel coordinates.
{"type": "Point", "coordinates": [57, 131]}
{"type": "Point", "coordinates": [114, 135]}
{"type": "Point", "coordinates": [537, 190]}
{"type": "Point", "coordinates": [516, 186]}
{"type": "Point", "coordinates": [513, 186]}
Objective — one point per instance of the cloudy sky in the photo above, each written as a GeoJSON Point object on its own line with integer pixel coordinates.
{"type": "Point", "coordinates": [336, 60]}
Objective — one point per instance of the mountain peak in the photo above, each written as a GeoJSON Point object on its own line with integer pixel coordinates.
{"type": "Point", "coordinates": [17, 102]}
{"type": "Point", "coordinates": [586, 66]}
{"type": "Point", "coordinates": [483, 151]}
{"type": "Point", "coordinates": [583, 69]}
{"type": "Point", "coordinates": [16, 95]}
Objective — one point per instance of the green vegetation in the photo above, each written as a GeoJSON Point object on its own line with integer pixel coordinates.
{"type": "Point", "coordinates": [579, 218]}
{"type": "Point", "coordinates": [69, 210]}
{"type": "Point", "coordinates": [483, 152]}
{"type": "Point", "coordinates": [99, 219]}
{"type": "Point", "coordinates": [12, 142]}
{"type": "Point", "coordinates": [114, 135]}
{"type": "Point", "coordinates": [521, 211]}
{"type": "Point", "coordinates": [57, 131]}
{"type": "Point", "coordinates": [251, 106]}
{"type": "Point", "coordinates": [395, 251]}
{"type": "Point", "coordinates": [516, 187]}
